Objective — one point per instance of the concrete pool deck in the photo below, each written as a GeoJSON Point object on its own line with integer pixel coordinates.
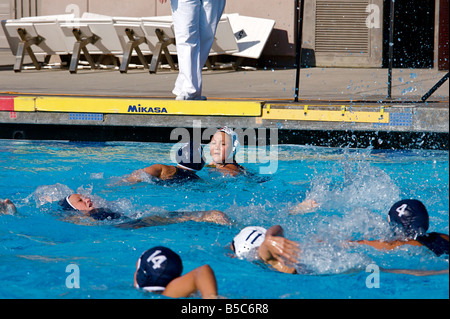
{"type": "Point", "coordinates": [336, 106]}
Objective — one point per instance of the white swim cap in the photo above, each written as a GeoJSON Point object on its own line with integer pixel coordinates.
{"type": "Point", "coordinates": [234, 140]}
{"type": "Point", "coordinates": [249, 238]}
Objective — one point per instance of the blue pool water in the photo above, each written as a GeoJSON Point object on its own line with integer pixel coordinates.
{"type": "Point", "coordinates": [355, 189]}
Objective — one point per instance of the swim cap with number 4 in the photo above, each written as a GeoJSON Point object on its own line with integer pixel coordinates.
{"type": "Point", "coordinates": [411, 216]}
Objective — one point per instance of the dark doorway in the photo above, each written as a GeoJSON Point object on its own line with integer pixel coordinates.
{"type": "Point", "coordinates": [413, 33]}
{"type": "Point", "coordinates": [443, 50]}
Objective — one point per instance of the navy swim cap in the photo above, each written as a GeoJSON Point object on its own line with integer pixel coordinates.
{"type": "Point", "coordinates": [66, 204]}
{"type": "Point", "coordinates": [157, 267]}
{"type": "Point", "coordinates": [190, 156]}
{"type": "Point", "coordinates": [411, 216]}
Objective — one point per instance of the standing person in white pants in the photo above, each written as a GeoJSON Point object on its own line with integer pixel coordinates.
{"type": "Point", "coordinates": [195, 23]}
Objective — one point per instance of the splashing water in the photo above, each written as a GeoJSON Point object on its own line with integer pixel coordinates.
{"type": "Point", "coordinates": [354, 190]}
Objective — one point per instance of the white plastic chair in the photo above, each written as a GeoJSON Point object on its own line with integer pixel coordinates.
{"type": "Point", "coordinates": [133, 40]}
{"type": "Point", "coordinates": [92, 34]}
{"type": "Point", "coordinates": [251, 35]}
{"type": "Point", "coordinates": [35, 36]}
{"type": "Point", "coordinates": [224, 42]}
{"type": "Point", "coordinates": [160, 37]}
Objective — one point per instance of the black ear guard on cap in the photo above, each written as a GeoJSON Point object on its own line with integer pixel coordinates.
{"type": "Point", "coordinates": [65, 204]}
{"type": "Point", "coordinates": [190, 156]}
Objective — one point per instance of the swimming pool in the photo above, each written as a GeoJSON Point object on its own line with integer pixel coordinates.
{"type": "Point", "coordinates": [354, 187]}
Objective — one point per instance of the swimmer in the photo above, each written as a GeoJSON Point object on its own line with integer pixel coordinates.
{"type": "Point", "coordinates": [269, 245]}
{"type": "Point", "coordinates": [209, 216]}
{"type": "Point", "coordinates": [257, 243]}
{"type": "Point", "coordinates": [82, 204]}
{"type": "Point", "coordinates": [189, 158]}
{"type": "Point", "coordinates": [409, 220]}
{"type": "Point", "coordinates": [224, 145]}
{"type": "Point", "coordinates": [7, 207]}
{"type": "Point", "coordinates": [159, 269]}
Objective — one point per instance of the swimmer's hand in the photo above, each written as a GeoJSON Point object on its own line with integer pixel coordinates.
{"type": "Point", "coordinates": [307, 206]}
{"type": "Point", "coordinates": [45, 199]}
{"type": "Point", "coordinates": [279, 252]}
{"type": "Point", "coordinates": [135, 177]}
{"type": "Point", "coordinates": [7, 207]}
{"type": "Point", "coordinates": [215, 216]}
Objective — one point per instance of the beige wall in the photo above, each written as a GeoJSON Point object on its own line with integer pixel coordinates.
{"type": "Point", "coordinates": [282, 11]}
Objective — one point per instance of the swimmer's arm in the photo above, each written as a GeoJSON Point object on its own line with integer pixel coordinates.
{"type": "Point", "coordinates": [210, 216]}
{"type": "Point", "coordinates": [137, 177]}
{"type": "Point", "coordinates": [154, 170]}
{"type": "Point", "coordinates": [307, 206]}
{"type": "Point", "coordinates": [161, 171]}
{"type": "Point", "coordinates": [226, 169]}
{"type": "Point", "coordinates": [277, 250]}
{"type": "Point", "coordinates": [387, 245]}
{"type": "Point", "coordinates": [46, 199]}
{"type": "Point", "coordinates": [415, 272]}
{"type": "Point", "coordinates": [201, 279]}
{"type": "Point", "coordinates": [80, 220]}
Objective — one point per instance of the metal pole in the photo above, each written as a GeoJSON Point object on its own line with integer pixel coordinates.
{"type": "Point", "coordinates": [299, 6]}
{"type": "Point", "coordinates": [391, 47]}
{"type": "Point", "coordinates": [435, 87]}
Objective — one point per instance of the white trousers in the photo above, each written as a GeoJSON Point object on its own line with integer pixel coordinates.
{"type": "Point", "coordinates": [195, 23]}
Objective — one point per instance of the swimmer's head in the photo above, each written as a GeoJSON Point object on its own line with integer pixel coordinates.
{"type": "Point", "coordinates": [224, 145]}
{"type": "Point", "coordinates": [248, 238]}
{"type": "Point", "coordinates": [76, 202]}
{"type": "Point", "coordinates": [190, 156]}
{"type": "Point", "coordinates": [410, 216]}
{"type": "Point", "coordinates": [156, 268]}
